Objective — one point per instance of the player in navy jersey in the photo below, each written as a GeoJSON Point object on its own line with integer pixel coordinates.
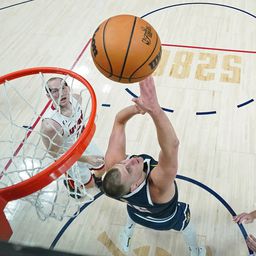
{"type": "Point", "coordinates": [61, 125]}
{"type": "Point", "coordinates": [146, 185]}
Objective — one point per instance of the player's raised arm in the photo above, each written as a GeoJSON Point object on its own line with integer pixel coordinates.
{"type": "Point", "coordinates": [168, 141]}
{"type": "Point", "coordinates": [116, 150]}
{"type": "Point", "coordinates": [52, 138]}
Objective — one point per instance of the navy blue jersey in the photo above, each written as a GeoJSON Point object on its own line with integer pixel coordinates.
{"type": "Point", "coordinates": [164, 216]}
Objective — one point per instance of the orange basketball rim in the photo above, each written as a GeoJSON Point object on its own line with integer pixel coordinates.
{"type": "Point", "coordinates": [57, 168]}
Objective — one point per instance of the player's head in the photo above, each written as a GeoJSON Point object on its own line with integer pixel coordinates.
{"type": "Point", "coordinates": [124, 177]}
{"type": "Point", "coordinates": [58, 90]}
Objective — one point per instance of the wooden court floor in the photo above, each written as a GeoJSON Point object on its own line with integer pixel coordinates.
{"type": "Point", "coordinates": [205, 81]}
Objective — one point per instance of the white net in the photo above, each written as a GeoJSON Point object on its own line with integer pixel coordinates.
{"type": "Point", "coordinates": [23, 106]}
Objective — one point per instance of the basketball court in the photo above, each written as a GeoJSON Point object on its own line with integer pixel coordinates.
{"type": "Point", "coordinates": [205, 83]}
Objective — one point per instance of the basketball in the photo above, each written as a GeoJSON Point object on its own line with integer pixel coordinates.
{"type": "Point", "coordinates": [126, 48]}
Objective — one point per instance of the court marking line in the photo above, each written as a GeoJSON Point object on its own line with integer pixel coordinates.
{"type": "Point", "coordinates": [12, 5]}
{"type": "Point", "coordinates": [245, 103]}
{"type": "Point", "coordinates": [105, 105]}
{"type": "Point", "coordinates": [68, 223]}
{"type": "Point", "coordinates": [206, 113]}
{"type": "Point", "coordinates": [198, 3]}
{"type": "Point", "coordinates": [208, 48]}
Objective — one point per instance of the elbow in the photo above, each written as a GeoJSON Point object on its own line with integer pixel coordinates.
{"type": "Point", "coordinates": [119, 119]}
{"type": "Point", "coordinates": [176, 143]}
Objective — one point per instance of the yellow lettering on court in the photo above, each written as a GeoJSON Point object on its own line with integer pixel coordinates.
{"type": "Point", "coordinates": [161, 252]}
{"type": "Point", "coordinates": [233, 73]}
{"type": "Point", "coordinates": [141, 251]}
{"type": "Point", "coordinates": [201, 70]}
{"type": "Point", "coordinates": [182, 65]}
{"type": "Point", "coordinates": [206, 66]}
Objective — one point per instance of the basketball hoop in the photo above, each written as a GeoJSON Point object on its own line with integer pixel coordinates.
{"type": "Point", "coordinates": [37, 177]}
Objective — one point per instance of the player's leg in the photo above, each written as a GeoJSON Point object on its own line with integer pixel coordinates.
{"type": "Point", "coordinates": [188, 230]}
{"type": "Point", "coordinates": [126, 235]}
{"type": "Point", "coordinates": [189, 235]}
{"type": "Point", "coordinates": [78, 179]}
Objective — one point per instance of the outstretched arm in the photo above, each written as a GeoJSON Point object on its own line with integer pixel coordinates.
{"type": "Point", "coordinates": [117, 142]}
{"type": "Point", "coordinates": [168, 141]}
{"type": "Point", "coordinates": [53, 140]}
{"type": "Point", "coordinates": [52, 137]}
{"type": "Point", "coordinates": [245, 217]}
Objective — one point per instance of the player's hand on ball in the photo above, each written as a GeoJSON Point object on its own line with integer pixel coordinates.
{"type": "Point", "coordinates": [147, 101]}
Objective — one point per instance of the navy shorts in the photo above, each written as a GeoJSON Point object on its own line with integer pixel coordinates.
{"type": "Point", "coordinates": [177, 220]}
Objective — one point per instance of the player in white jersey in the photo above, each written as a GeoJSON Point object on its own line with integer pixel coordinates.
{"type": "Point", "coordinates": [61, 125]}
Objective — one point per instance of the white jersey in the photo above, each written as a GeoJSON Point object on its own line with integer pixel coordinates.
{"type": "Point", "coordinates": [71, 126]}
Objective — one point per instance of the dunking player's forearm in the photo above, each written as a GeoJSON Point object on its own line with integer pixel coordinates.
{"type": "Point", "coordinates": [127, 113]}
{"type": "Point", "coordinates": [147, 101]}
{"type": "Point", "coordinates": [165, 132]}
{"type": "Point", "coordinates": [117, 142]}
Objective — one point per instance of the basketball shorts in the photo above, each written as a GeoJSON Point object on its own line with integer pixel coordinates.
{"type": "Point", "coordinates": [176, 221]}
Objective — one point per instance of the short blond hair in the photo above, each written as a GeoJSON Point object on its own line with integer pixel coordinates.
{"type": "Point", "coordinates": [112, 185]}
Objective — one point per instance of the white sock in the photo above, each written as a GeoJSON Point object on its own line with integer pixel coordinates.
{"type": "Point", "coordinates": [189, 235]}
{"type": "Point", "coordinates": [130, 224]}
{"type": "Point", "coordinates": [126, 234]}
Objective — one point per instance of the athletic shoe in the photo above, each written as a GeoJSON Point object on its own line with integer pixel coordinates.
{"type": "Point", "coordinates": [73, 192]}
{"type": "Point", "coordinates": [200, 251]}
